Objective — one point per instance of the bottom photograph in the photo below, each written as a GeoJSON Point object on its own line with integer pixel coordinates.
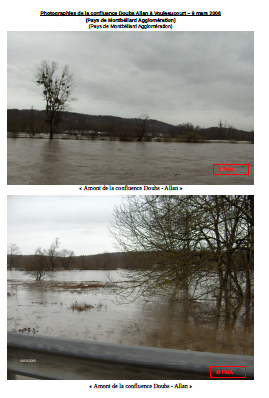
{"type": "Point", "coordinates": [135, 288]}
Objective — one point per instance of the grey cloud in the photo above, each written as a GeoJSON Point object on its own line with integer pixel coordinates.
{"type": "Point", "coordinates": [81, 223]}
{"type": "Point", "coordinates": [129, 73]}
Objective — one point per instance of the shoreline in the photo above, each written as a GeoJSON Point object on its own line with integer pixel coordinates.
{"type": "Point", "coordinates": [103, 138]}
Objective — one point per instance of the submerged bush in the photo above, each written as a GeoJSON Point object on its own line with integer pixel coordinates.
{"type": "Point", "coordinates": [81, 307]}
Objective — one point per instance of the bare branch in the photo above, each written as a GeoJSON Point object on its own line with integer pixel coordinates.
{"type": "Point", "coordinates": [57, 91]}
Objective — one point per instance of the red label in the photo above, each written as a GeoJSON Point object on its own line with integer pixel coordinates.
{"type": "Point", "coordinates": [228, 372]}
{"type": "Point", "coordinates": [231, 169]}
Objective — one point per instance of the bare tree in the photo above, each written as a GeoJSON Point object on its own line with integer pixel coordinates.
{"type": "Point", "coordinates": [65, 258]}
{"type": "Point", "coordinates": [57, 92]}
{"type": "Point", "coordinates": [111, 127]}
{"type": "Point", "coordinates": [188, 247]}
{"type": "Point", "coordinates": [32, 123]}
{"type": "Point", "coordinates": [157, 231]}
{"type": "Point", "coordinates": [143, 126]}
{"type": "Point", "coordinates": [220, 125]}
{"type": "Point", "coordinates": [231, 131]}
{"type": "Point", "coordinates": [13, 252]}
{"type": "Point", "coordinates": [226, 225]}
{"type": "Point", "coordinates": [53, 255]}
{"type": "Point", "coordinates": [189, 127]}
{"type": "Point", "coordinates": [37, 266]}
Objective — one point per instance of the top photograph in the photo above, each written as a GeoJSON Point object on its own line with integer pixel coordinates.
{"type": "Point", "coordinates": [130, 108]}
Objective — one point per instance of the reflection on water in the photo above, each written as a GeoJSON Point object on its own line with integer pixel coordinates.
{"type": "Point", "coordinates": [35, 308]}
{"type": "Point", "coordinates": [181, 326]}
{"type": "Point", "coordinates": [64, 162]}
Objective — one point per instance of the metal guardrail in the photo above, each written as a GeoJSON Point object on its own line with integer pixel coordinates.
{"type": "Point", "coordinates": [66, 359]}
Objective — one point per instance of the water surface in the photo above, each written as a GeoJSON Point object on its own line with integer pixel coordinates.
{"type": "Point", "coordinates": [83, 162]}
{"type": "Point", "coordinates": [36, 308]}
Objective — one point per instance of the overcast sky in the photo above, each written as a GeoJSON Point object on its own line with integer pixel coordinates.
{"type": "Point", "coordinates": [175, 77]}
{"type": "Point", "coordinates": [81, 222]}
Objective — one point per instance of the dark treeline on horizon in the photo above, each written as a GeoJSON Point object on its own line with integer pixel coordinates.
{"type": "Point", "coordinates": [33, 122]}
{"type": "Point", "coordinates": [102, 261]}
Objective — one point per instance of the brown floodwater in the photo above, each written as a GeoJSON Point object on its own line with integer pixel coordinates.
{"type": "Point", "coordinates": [83, 162]}
{"type": "Point", "coordinates": [69, 306]}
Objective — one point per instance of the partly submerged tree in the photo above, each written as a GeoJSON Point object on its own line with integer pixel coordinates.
{"type": "Point", "coordinates": [65, 258]}
{"type": "Point", "coordinates": [57, 91]}
{"type": "Point", "coordinates": [52, 255]}
{"type": "Point", "coordinates": [43, 262]}
{"type": "Point", "coordinates": [13, 252]}
{"type": "Point", "coordinates": [143, 123]}
{"type": "Point", "coordinates": [188, 247]}
{"type": "Point", "coordinates": [31, 124]}
{"type": "Point", "coordinates": [37, 265]}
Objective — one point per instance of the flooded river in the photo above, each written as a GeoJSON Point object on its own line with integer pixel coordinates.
{"type": "Point", "coordinates": [83, 162]}
{"type": "Point", "coordinates": [68, 305]}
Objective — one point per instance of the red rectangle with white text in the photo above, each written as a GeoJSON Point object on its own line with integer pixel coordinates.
{"type": "Point", "coordinates": [230, 169]}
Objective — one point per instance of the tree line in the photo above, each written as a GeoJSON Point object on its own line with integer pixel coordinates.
{"type": "Point", "coordinates": [33, 122]}
{"type": "Point", "coordinates": [44, 261]}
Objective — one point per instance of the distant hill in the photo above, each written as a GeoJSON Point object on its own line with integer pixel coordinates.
{"type": "Point", "coordinates": [77, 119]}
{"type": "Point", "coordinates": [27, 120]}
